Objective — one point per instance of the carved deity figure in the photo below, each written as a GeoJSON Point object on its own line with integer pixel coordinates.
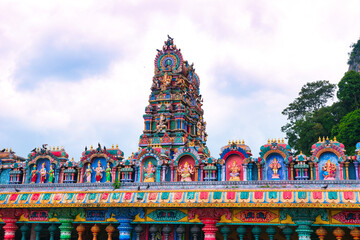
{"type": "Point", "coordinates": [234, 172]}
{"type": "Point", "coordinates": [149, 173]}
{"type": "Point", "coordinates": [329, 170]}
{"type": "Point", "coordinates": [43, 173]}
{"type": "Point", "coordinates": [166, 81]}
{"type": "Point", "coordinates": [186, 173]}
{"type": "Point", "coordinates": [161, 124]}
{"type": "Point", "coordinates": [51, 174]}
{"type": "Point", "coordinates": [108, 172]}
{"type": "Point", "coordinates": [98, 170]}
{"type": "Point", "coordinates": [88, 173]}
{"type": "Point", "coordinates": [275, 166]}
{"type": "Point", "coordinates": [34, 172]}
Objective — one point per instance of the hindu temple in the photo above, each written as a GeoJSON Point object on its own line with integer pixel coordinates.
{"type": "Point", "coordinates": [173, 188]}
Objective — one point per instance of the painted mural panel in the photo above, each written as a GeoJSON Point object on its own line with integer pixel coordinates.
{"type": "Point", "coordinates": [5, 176]}
{"type": "Point", "coordinates": [328, 166]}
{"type": "Point", "coordinates": [234, 168]}
{"type": "Point", "coordinates": [275, 167]}
{"type": "Point", "coordinates": [39, 173]}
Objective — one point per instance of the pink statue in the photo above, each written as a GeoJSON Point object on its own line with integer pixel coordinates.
{"type": "Point", "coordinates": [329, 170]}
{"type": "Point", "coordinates": [43, 173]}
{"type": "Point", "coordinates": [186, 173]}
{"type": "Point", "coordinates": [234, 172]}
{"type": "Point", "coordinates": [98, 171]}
{"type": "Point", "coordinates": [149, 173]}
{"type": "Point", "coordinates": [275, 165]}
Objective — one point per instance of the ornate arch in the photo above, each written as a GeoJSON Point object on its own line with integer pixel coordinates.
{"type": "Point", "coordinates": [274, 151]}
{"type": "Point", "coordinates": [186, 151]}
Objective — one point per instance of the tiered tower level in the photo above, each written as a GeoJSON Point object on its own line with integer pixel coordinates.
{"type": "Point", "coordinates": [172, 188]}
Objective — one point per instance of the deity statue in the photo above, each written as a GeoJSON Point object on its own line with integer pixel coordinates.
{"type": "Point", "coordinates": [88, 173]}
{"type": "Point", "coordinates": [51, 174]}
{"type": "Point", "coordinates": [199, 128]}
{"type": "Point", "coordinates": [34, 174]}
{"type": "Point", "coordinates": [161, 124]}
{"type": "Point", "coordinates": [108, 172]}
{"type": "Point", "coordinates": [43, 173]}
{"type": "Point", "coordinates": [329, 170]}
{"type": "Point", "coordinates": [186, 173]}
{"type": "Point", "coordinates": [275, 166]}
{"type": "Point", "coordinates": [166, 81]}
{"type": "Point", "coordinates": [98, 170]}
{"type": "Point", "coordinates": [234, 172]}
{"type": "Point", "coordinates": [149, 173]}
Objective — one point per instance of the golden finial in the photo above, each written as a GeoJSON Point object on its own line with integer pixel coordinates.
{"type": "Point", "coordinates": [301, 153]}
{"type": "Point", "coordinates": [112, 146]}
{"type": "Point", "coordinates": [229, 142]}
{"type": "Point", "coordinates": [37, 149]}
{"type": "Point", "coordinates": [72, 159]}
{"type": "Point", "coordinates": [117, 146]}
{"type": "Point", "coordinates": [236, 142]}
{"type": "Point", "coordinates": [319, 139]}
{"type": "Point", "coordinates": [268, 140]}
{"type": "Point", "coordinates": [53, 148]}
{"type": "Point", "coordinates": [279, 140]}
{"type": "Point", "coordinates": [272, 140]}
{"type": "Point", "coordinates": [91, 147]}
{"type": "Point", "coordinates": [327, 138]}
{"type": "Point", "coordinates": [335, 139]}
{"type": "Point", "coordinates": [10, 150]}
{"type": "Point", "coordinates": [323, 139]}
{"type": "Point", "coordinates": [282, 140]}
{"type": "Point", "coordinates": [57, 148]}
{"type": "Point", "coordinates": [243, 141]}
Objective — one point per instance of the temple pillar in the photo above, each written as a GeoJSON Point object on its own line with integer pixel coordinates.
{"type": "Point", "coordinates": [291, 171]}
{"type": "Point", "coordinates": [356, 165]}
{"type": "Point", "coordinates": [256, 231]}
{"type": "Point", "coordinates": [138, 230]}
{"type": "Point", "coordinates": [163, 173]}
{"type": "Point", "coordinates": [259, 171]}
{"type": "Point", "coordinates": [209, 218]}
{"type": "Point", "coordinates": [311, 177]}
{"type": "Point", "coordinates": [24, 230]}
{"type": "Point", "coordinates": [137, 177]}
{"type": "Point", "coordinates": [125, 216]}
{"type": "Point", "coordinates": [201, 173]}
{"type": "Point", "coordinates": [10, 217]}
{"type": "Point", "coordinates": [304, 218]}
{"type": "Point", "coordinates": [250, 171]}
{"type": "Point", "coordinates": [271, 231]}
{"type": "Point", "coordinates": [245, 172]}
{"type": "Point", "coordinates": [287, 231]}
{"type": "Point", "coordinates": [347, 170]}
{"type": "Point", "coordinates": [82, 175]}
{"type": "Point", "coordinates": [38, 229]}
{"type": "Point", "coordinates": [80, 230]}
{"type": "Point", "coordinates": [78, 176]}
{"type": "Point", "coordinates": [195, 231]}
{"type": "Point", "coordinates": [61, 178]}
{"type": "Point", "coordinates": [317, 171]}
{"type": "Point", "coordinates": [95, 231]}
{"type": "Point", "coordinates": [113, 174]}
{"type": "Point", "coordinates": [180, 230]}
{"type": "Point", "coordinates": [341, 165]}
{"type": "Point", "coordinates": [166, 231]}
{"type": "Point", "coordinates": [172, 173]}
{"type": "Point", "coordinates": [355, 233]}
{"type": "Point", "coordinates": [286, 173]}
{"type": "Point", "coordinates": [225, 232]}
{"type": "Point", "coordinates": [66, 217]}
{"type": "Point", "coordinates": [338, 233]}
{"type": "Point", "coordinates": [321, 233]}
{"type": "Point", "coordinates": [241, 231]}
{"type": "Point", "coordinates": [158, 173]}
{"type": "Point", "coordinates": [56, 174]}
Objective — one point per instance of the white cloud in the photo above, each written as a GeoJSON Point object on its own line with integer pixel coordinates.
{"type": "Point", "coordinates": [281, 45]}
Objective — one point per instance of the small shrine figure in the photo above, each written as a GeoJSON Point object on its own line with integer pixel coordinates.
{"type": "Point", "coordinates": [329, 170]}
{"type": "Point", "coordinates": [166, 81]}
{"type": "Point", "coordinates": [234, 172]}
{"type": "Point", "coordinates": [149, 173]}
{"type": "Point", "coordinates": [43, 173]}
{"type": "Point", "coordinates": [161, 124]}
{"type": "Point", "coordinates": [108, 172]}
{"type": "Point", "coordinates": [186, 173]}
{"type": "Point", "coordinates": [88, 173]}
{"type": "Point", "coordinates": [51, 174]}
{"type": "Point", "coordinates": [275, 166]}
{"type": "Point", "coordinates": [34, 172]}
{"type": "Point", "coordinates": [98, 170]}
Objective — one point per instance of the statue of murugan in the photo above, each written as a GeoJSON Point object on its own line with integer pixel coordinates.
{"type": "Point", "coordinates": [275, 166]}
{"type": "Point", "coordinates": [234, 172]}
{"type": "Point", "coordinates": [186, 173]}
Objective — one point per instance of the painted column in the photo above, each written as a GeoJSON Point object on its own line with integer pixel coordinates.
{"type": "Point", "coordinates": [80, 230]}
{"type": "Point", "coordinates": [163, 173]}
{"type": "Point", "coordinates": [271, 231]}
{"type": "Point", "coordinates": [10, 217]}
{"type": "Point", "coordinates": [287, 231]}
{"type": "Point", "coordinates": [125, 216]}
{"type": "Point", "coordinates": [356, 165]}
{"type": "Point", "coordinates": [304, 230]}
{"type": "Point", "coordinates": [347, 170]}
{"type": "Point", "coordinates": [317, 171]}
{"type": "Point", "coordinates": [225, 232]}
{"type": "Point", "coordinates": [250, 171]}
{"type": "Point", "coordinates": [66, 217]}
{"type": "Point", "coordinates": [223, 174]}
{"type": "Point", "coordinates": [241, 231]}
{"type": "Point", "coordinates": [245, 172]}
{"type": "Point", "coordinates": [286, 173]}
{"type": "Point", "coordinates": [341, 171]}
{"type": "Point", "coordinates": [38, 229]}
{"type": "Point", "coordinates": [56, 173]}
{"type": "Point", "coordinates": [24, 229]}
{"type": "Point", "coordinates": [311, 176]}
{"type": "Point", "coordinates": [209, 218]}
{"type": "Point", "coordinates": [172, 173]}
{"type": "Point", "coordinates": [158, 173]}
{"type": "Point", "coordinates": [95, 231]}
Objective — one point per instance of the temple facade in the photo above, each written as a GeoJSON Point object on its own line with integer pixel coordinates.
{"type": "Point", "coordinates": [172, 188]}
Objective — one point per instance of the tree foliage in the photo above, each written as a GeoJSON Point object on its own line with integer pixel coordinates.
{"type": "Point", "coordinates": [349, 131]}
{"type": "Point", "coordinates": [354, 55]}
{"type": "Point", "coordinates": [349, 91]}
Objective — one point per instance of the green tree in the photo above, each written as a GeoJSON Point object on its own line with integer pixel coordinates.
{"type": "Point", "coordinates": [349, 91]}
{"type": "Point", "coordinates": [308, 119]}
{"type": "Point", "coordinates": [354, 56]}
{"type": "Point", "coordinates": [349, 131]}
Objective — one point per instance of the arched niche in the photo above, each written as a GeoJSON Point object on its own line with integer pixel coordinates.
{"type": "Point", "coordinates": [231, 163]}
{"type": "Point", "coordinates": [42, 165]}
{"type": "Point", "coordinates": [190, 170]}
{"type": "Point", "coordinates": [5, 176]}
{"type": "Point", "coordinates": [328, 160]}
{"type": "Point", "coordinates": [96, 168]}
{"type": "Point", "coordinates": [351, 170]}
{"type": "Point", "coordinates": [148, 169]}
{"type": "Point", "coordinates": [275, 167]}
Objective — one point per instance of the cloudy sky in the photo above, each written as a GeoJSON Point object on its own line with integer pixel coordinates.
{"type": "Point", "coordinates": [74, 73]}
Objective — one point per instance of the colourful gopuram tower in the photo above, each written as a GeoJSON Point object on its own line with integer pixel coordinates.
{"type": "Point", "coordinates": [171, 188]}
